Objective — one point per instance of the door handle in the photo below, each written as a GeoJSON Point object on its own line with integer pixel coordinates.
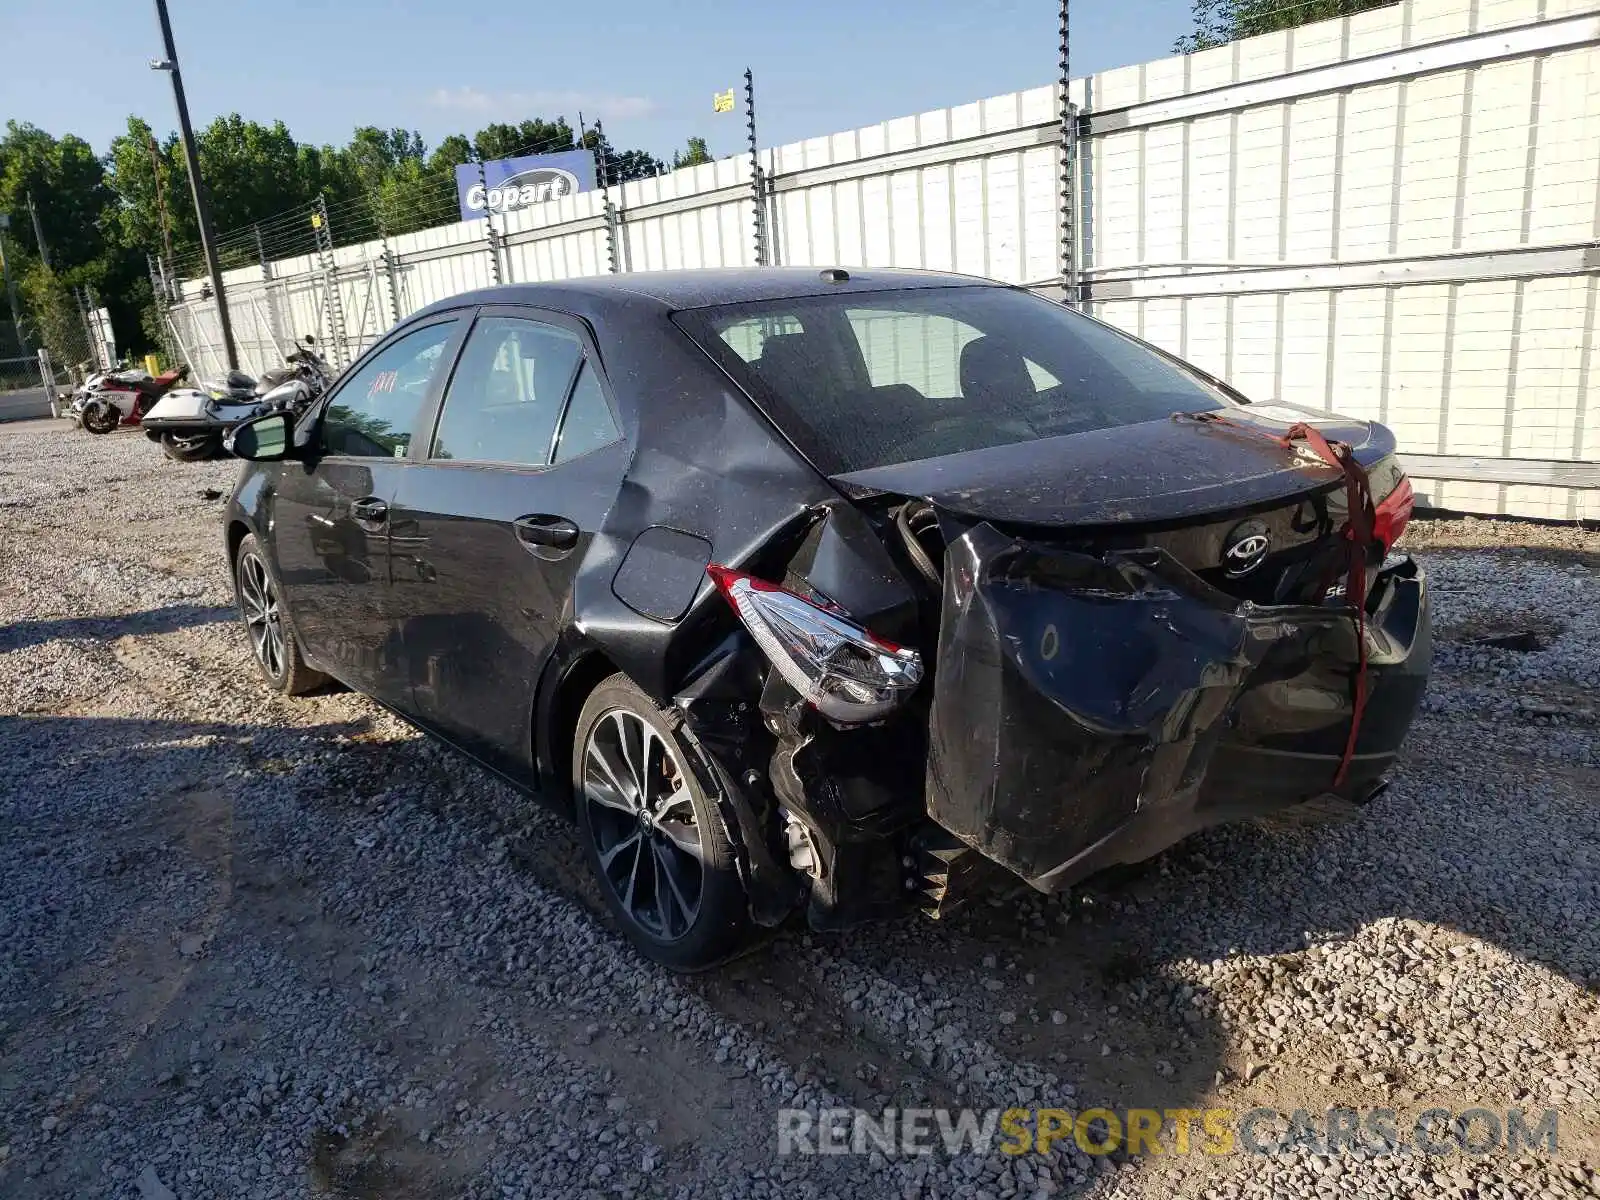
{"type": "Point", "coordinates": [370, 513]}
{"type": "Point", "coordinates": [543, 529]}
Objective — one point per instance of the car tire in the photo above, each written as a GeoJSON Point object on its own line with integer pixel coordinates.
{"type": "Point", "coordinates": [272, 642]}
{"type": "Point", "coordinates": [195, 448]}
{"type": "Point", "coordinates": [668, 877]}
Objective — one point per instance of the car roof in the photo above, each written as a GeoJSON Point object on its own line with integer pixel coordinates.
{"type": "Point", "coordinates": [674, 290]}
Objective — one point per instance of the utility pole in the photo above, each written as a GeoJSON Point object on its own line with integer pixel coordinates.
{"type": "Point", "coordinates": [161, 199]}
{"type": "Point", "coordinates": [38, 232]}
{"type": "Point", "coordinates": [202, 209]}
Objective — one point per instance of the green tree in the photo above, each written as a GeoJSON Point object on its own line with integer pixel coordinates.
{"type": "Point", "coordinates": [77, 212]}
{"type": "Point", "coordinates": [66, 181]}
{"type": "Point", "coordinates": [1218, 22]}
{"type": "Point", "coordinates": [693, 156]}
{"type": "Point", "coordinates": [132, 170]}
{"type": "Point", "coordinates": [628, 165]}
{"type": "Point", "coordinates": [53, 313]}
{"type": "Point", "coordinates": [250, 170]}
{"type": "Point", "coordinates": [451, 153]}
{"type": "Point", "coordinates": [102, 217]}
{"type": "Point", "coordinates": [537, 136]}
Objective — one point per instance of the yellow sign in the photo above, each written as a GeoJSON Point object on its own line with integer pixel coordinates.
{"type": "Point", "coordinates": [316, 220]}
{"type": "Point", "coordinates": [722, 101]}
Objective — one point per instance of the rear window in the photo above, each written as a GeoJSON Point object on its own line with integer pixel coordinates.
{"type": "Point", "coordinates": [866, 379]}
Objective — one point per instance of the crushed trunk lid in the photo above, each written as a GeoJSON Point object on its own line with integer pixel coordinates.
{"type": "Point", "coordinates": [1151, 471]}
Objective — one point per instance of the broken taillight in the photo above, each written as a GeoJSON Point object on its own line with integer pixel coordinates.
{"type": "Point", "coordinates": [844, 672]}
{"type": "Point", "coordinates": [1392, 514]}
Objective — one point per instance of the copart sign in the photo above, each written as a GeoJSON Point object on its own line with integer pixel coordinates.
{"type": "Point", "coordinates": [508, 184]}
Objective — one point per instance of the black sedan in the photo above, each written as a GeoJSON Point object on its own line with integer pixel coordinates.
{"type": "Point", "coordinates": [836, 591]}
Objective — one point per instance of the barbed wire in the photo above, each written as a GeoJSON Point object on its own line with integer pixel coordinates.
{"type": "Point", "coordinates": [367, 215]}
{"type": "Point", "coordinates": [405, 205]}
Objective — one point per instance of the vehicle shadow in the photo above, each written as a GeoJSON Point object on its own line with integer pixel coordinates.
{"type": "Point", "coordinates": [1106, 984]}
{"type": "Point", "coordinates": [19, 635]}
{"type": "Point", "coordinates": [1203, 977]}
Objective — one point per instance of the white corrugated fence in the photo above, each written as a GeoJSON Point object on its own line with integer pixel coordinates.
{"type": "Point", "coordinates": [1393, 215]}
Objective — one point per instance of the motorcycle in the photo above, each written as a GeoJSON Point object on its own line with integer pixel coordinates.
{"type": "Point", "coordinates": [123, 396]}
{"type": "Point", "coordinates": [190, 423]}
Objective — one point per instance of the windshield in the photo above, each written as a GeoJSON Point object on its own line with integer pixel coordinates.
{"type": "Point", "coordinates": [866, 379]}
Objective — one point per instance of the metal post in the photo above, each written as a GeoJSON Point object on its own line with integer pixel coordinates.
{"type": "Point", "coordinates": [38, 232]}
{"type": "Point", "coordinates": [756, 189]}
{"type": "Point", "coordinates": [47, 376]}
{"type": "Point", "coordinates": [202, 207]}
{"type": "Point", "coordinates": [101, 347]}
{"type": "Point", "coordinates": [274, 320]}
{"type": "Point", "coordinates": [157, 292]}
{"type": "Point", "coordinates": [330, 281]}
{"type": "Point", "coordinates": [394, 280]}
{"type": "Point", "coordinates": [387, 257]}
{"type": "Point", "coordinates": [83, 315]}
{"type": "Point", "coordinates": [603, 170]}
{"type": "Point", "coordinates": [488, 221]}
{"type": "Point", "coordinates": [1069, 155]}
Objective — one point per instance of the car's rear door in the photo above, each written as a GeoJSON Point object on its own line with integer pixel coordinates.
{"type": "Point", "coordinates": [491, 523]}
{"type": "Point", "coordinates": [330, 525]}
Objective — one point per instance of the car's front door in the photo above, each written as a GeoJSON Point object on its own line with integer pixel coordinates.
{"type": "Point", "coordinates": [491, 522]}
{"type": "Point", "coordinates": [330, 531]}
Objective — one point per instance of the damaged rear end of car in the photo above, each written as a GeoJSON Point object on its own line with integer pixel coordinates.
{"type": "Point", "coordinates": [1073, 601]}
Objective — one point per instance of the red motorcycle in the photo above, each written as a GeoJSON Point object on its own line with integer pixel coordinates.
{"type": "Point", "coordinates": [113, 399]}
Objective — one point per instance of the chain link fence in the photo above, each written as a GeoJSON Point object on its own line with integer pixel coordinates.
{"type": "Point", "coordinates": [29, 377]}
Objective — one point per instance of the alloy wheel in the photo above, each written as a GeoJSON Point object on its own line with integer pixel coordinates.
{"type": "Point", "coordinates": [642, 817]}
{"type": "Point", "coordinates": [259, 599]}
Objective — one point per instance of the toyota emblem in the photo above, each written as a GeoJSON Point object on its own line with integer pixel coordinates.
{"type": "Point", "coordinates": [1246, 549]}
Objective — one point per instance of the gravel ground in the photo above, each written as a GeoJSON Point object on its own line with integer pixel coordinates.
{"type": "Point", "coordinates": [255, 947]}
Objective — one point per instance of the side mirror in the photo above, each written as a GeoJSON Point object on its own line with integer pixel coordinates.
{"type": "Point", "coordinates": [310, 341]}
{"type": "Point", "coordinates": [261, 439]}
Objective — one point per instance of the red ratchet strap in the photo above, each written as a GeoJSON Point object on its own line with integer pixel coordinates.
{"type": "Point", "coordinates": [1357, 532]}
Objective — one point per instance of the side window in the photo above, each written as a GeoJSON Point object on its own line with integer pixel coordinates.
{"type": "Point", "coordinates": [589, 423]}
{"type": "Point", "coordinates": [506, 395]}
{"type": "Point", "coordinates": [374, 412]}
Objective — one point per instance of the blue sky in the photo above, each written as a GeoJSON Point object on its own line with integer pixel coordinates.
{"type": "Point", "coordinates": [648, 67]}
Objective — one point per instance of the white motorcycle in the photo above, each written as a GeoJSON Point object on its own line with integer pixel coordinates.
{"type": "Point", "coordinates": [123, 396]}
{"type": "Point", "coordinates": [190, 423]}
